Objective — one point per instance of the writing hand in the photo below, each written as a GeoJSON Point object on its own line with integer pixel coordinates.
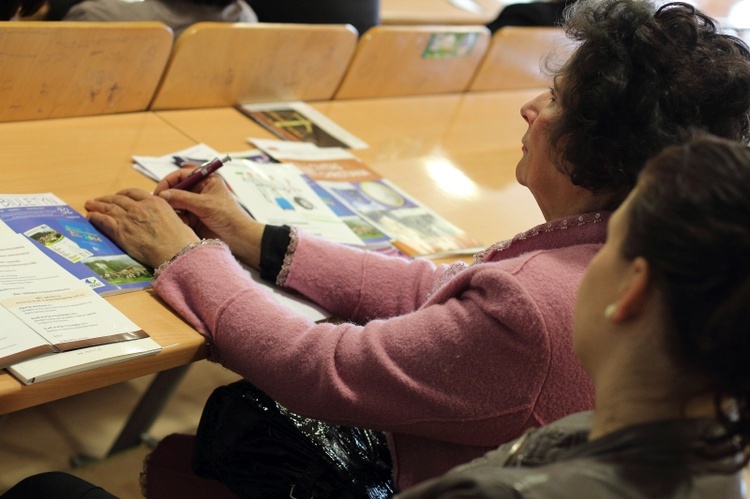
{"type": "Point", "coordinates": [212, 212]}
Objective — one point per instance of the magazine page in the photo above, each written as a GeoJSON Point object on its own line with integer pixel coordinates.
{"type": "Point", "coordinates": [158, 167]}
{"type": "Point", "coordinates": [414, 229]}
{"type": "Point", "coordinates": [411, 227]}
{"type": "Point", "coordinates": [39, 299]}
{"type": "Point", "coordinates": [75, 361]}
{"type": "Point", "coordinates": [18, 341]}
{"type": "Point", "coordinates": [69, 239]}
{"type": "Point", "coordinates": [279, 194]}
{"type": "Point", "coordinates": [330, 163]}
{"type": "Point", "coordinates": [299, 122]}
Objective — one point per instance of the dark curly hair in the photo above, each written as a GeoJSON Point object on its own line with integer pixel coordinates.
{"type": "Point", "coordinates": [640, 80]}
{"type": "Point", "coordinates": [690, 218]}
{"type": "Point", "coordinates": [9, 8]}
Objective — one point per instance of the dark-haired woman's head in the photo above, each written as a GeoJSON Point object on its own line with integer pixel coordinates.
{"type": "Point", "coordinates": [641, 79]}
{"type": "Point", "coordinates": [690, 219]}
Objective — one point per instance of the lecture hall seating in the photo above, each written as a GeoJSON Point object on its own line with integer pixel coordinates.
{"type": "Point", "coordinates": [516, 57]}
{"type": "Point", "coordinates": [395, 61]}
{"type": "Point", "coordinates": [66, 69]}
{"type": "Point", "coordinates": [221, 64]}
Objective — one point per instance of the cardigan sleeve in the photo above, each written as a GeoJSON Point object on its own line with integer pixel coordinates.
{"type": "Point", "coordinates": [356, 284]}
{"type": "Point", "coordinates": [335, 277]}
{"type": "Point", "coordinates": [419, 373]}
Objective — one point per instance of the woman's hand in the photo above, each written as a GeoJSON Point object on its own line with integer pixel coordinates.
{"type": "Point", "coordinates": [144, 226]}
{"type": "Point", "coordinates": [211, 211]}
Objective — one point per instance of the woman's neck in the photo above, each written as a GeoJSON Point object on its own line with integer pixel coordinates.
{"type": "Point", "coordinates": [582, 201]}
{"type": "Point", "coordinates": [622, 403]}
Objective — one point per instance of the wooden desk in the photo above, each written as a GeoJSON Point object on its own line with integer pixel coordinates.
{"type": "Point", "coordinates": [439, 11]}
{"type": "Point", "coordinates": [454, 153]}
{"type": "Point", "coordinates": [80, 158]}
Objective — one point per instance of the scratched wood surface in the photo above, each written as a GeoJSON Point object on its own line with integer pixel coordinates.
{"type": "Point", "coordinates": [66, 69]}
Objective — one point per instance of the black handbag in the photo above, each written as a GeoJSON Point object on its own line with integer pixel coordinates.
{"type": "Point", "coordinates": [259, 449]}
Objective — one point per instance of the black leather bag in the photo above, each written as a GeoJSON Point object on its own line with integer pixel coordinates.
{"type": "Point", "coordinates": [259, 449]}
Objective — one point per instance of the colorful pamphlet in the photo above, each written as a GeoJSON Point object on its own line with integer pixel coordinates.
{"type": "Point", "coordinates": [374, 208]}
{"type": "Point", "coordinates": [299, 122]}
{"type": "Point", "coordinates": [69, 239]}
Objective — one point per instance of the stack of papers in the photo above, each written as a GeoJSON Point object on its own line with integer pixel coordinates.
{"type": "Point", "coordinates": [325, 191]}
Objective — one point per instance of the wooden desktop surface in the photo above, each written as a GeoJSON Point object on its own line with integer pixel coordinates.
{"type": "Point", "coordinates": [77, 159]}
{"type": "Point", "coordinates": [439, 11]}
{"type": "Point", "coordinates": [454, 153]}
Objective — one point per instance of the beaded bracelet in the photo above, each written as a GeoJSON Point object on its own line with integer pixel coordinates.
{"type": "Point", "coordinates": [185, 249]}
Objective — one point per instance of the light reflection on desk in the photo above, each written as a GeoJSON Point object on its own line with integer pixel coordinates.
{"type": "Point", "coordinates": [450, 179]}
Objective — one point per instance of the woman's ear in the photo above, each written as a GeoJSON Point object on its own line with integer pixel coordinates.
{"type": "Point", "coordinates": [634, 293]}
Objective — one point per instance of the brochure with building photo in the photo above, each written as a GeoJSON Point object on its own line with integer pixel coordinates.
{"type": "Point", "coordinates": [299, 122]}
{"type": "Point", "coordinates": [384, 212]}
{"type": "Point", "coordinates": [69, 240]}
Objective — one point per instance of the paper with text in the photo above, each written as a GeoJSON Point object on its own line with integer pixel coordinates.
{"type": "Point", "coordinates": [48, 309]}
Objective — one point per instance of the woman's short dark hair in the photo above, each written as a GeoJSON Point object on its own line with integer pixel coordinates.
{"type": "Point", "coordinates": [9, 8]}
{"type": "Point", "coordinates": [641, 79]}
{"type": "Point", "coordinates": [690, 218]}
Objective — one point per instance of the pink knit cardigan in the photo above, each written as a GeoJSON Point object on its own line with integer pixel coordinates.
{"type": "Point", "coordinates": [449, 364]}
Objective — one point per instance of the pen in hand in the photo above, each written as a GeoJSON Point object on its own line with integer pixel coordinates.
{"type": "Point", "coordinates": [201, 172]}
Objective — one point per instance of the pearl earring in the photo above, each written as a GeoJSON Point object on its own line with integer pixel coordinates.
{"type": "Point", "coordinates": [610, 310]}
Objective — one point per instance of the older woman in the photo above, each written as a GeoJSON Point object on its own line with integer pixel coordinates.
{"type": "Point", "coordinates": [450, 361]}
{"type": "Point", "coordinates": [661, 326]}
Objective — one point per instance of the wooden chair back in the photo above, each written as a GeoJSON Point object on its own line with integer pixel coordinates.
{"type": "Point", "coordinates": [516, 57]}
{"type": "Point", "coordinates": [393, 61]}
{"type": "Point", "coordinates": [222, 64]}
{"type": "Point", "coordinates": [65, 69]}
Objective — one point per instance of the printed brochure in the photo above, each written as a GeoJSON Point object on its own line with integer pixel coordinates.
{"type": "Point", "coordinates": [299, 122]}
{"type": "Point", "coordinates": [54, 323]}
{"type": "Point", "coordinates": [69, 239]}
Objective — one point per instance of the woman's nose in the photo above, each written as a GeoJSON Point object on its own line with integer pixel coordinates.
{"type": "Point", "coordinates": [529, 111]}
